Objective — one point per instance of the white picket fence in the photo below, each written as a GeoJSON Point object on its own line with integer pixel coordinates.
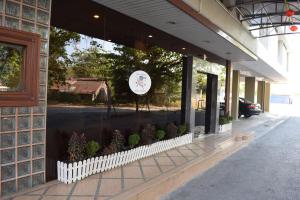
{"type": "Point", "coordinates": [69, 173]}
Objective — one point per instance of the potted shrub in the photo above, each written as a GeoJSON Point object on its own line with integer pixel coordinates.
{"type": "Point", "coordinates": [225, 123]}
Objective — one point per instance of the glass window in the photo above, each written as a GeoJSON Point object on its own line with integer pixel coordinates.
{"type": "Point", "coordinates": [11, 61]}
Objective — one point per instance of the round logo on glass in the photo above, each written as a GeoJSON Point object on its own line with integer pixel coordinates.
{"type": "Point", "coordinates": [139, 82]}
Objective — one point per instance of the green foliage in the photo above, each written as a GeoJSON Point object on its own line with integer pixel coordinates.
{"type": "Point", "coordinates": [10, 66]}
{"type": "Point", "coordinates": [225, 120]}
{"type": "Point", "coordinates": [160, 134]}
{"type": "Point", "coordinates": [147, 134]}
{"type": "Point", "coordinates": [91, 148]}
{"type": "Point", "coordinates": [91, 62]}
{"type": "Point", "coordinates": [58, 57]}
{"type": "Point", "coordinates": [134, 140]}
{"type": "Point", "coordinates": [163, 67]}
{"type": "Point", "coordinates": [182, 129]}
{"type": "Point", "coordinates": [171, 130]}
{"type": "Point", "coordinates": [76, 147]}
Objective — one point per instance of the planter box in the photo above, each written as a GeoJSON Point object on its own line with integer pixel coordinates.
{"type": "Point", "coordinates": [72, 172]}
{"type": "Point", "coordinates": [225, 128]}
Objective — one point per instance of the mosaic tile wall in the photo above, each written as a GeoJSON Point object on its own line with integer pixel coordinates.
{"type": "Point", "coordinates": [23, 129]}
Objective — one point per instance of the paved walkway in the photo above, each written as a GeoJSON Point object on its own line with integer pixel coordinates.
{"type": "Point", "coordinates": [267, 169]}
{"type": "Point", "coordinates": [113, 183]}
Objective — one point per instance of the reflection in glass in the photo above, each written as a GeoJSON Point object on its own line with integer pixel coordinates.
{"type": "Point", "coordinates": [11, 59]}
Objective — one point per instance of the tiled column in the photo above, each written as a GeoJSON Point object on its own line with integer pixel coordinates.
{"type": "Point", "coordinates": [250, 85]}
{"type": "Point", "coordinates": [23, 129]}
{"type": "Point", "coordinates": [235, 94]}
{"type": "Point", "coordinates": [267, 97]}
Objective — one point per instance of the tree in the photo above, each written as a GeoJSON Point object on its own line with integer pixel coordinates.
{"type": "Point", "coordinates": [10, 66]}
{"type": "Point", "coordinates": [164, 68]}
{"type": "Point", "coordinates": [58, 56]}
{"type": "Point", "coordinates": [93, 63]}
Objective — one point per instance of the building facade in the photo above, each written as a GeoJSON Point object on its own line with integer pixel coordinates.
{"type": "Point", "coordinates": [209, 33]}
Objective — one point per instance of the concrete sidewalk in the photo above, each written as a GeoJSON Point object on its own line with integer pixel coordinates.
{"type": "Point", "coordinates": [267, 169]}
{"type": "Point", "coordinates": [157, 175]}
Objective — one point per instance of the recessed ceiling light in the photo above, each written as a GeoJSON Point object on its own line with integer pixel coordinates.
{"type": "Point", "coordinates": [96, 16]}
{"type": "Point", "coordinates": [183, 48]}
{"type": "Point", "coordinates": [109, 40]}
{"type": "Point", "coordinates": [150, 36]}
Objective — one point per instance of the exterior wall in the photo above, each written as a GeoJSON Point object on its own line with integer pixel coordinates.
{"type": "Point", "coordinates": [23, 129]}
{"type": "Point", "coordinates": [265, 48]}
{"type": "Point", "coordinates": [219, 15]}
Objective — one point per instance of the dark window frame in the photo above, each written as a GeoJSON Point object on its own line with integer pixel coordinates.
{"type": "Point", "coordinates": [30, 68]}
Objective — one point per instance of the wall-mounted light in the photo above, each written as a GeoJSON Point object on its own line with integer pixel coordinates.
{"type": "Point", "coordinates": [96, 16]}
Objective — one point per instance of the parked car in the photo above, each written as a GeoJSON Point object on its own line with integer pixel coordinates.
{"type": "Point", "coordinates": [248, 108]}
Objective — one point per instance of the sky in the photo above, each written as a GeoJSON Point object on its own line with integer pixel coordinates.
{"type": "Point", "coordinates": [85, 43]}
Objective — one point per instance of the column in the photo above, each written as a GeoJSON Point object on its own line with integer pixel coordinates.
{"type": "Point", "coordinates": [212, 108]}
{"type": "Point", "coordinates": [228, 88]}
{"type": "Point", "coordinates": [186, 90]}
{"type": "Point", "coordinates": [261, 93]}
{"type": "Point", "coordinates": [250, 89]}
{"type": "Point", "coordinates": [267, 96]}
{"type": "Point", "coordinates": [235, 94]}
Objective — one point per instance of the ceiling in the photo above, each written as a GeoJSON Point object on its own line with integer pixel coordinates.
{"type": "Point", "coordinates": [121, 29]}
{"type": "Point", "coordinates": [163, 15]}
{"type": "Point", "coordinates": [269, 15]}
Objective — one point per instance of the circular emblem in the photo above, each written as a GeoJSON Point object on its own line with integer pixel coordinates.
{"type": "Point", "coordinates": [139, 82]}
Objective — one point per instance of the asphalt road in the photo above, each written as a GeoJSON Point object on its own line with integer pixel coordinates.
{"type": "Point", "coordinates": [268, 169]}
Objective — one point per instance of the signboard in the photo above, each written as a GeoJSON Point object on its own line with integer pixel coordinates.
{"type": "Point", "coordinates": [139, 82]}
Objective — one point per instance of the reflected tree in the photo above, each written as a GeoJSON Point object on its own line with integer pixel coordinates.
{"type": "Point", "coordinates": [10, 66]}
{"type": "Point", "coordinates": [164, 68]}
{"type": "Point", "coordinates": [93, 62]}
{"type": "Point", "coordinates": [58, 56]}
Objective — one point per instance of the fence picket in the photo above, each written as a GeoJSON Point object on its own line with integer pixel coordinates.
{"type": "Point", "coordinates": [103, 163]}
{"type": "Point", "coordinates": [65, 173]}
{"type": "Point", "coordinates": [69, 175]}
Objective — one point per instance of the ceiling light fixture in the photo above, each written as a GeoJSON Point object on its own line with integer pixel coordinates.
{"type": "Point", "coordinates": [109, 40]}
{"type": "Point", "coordinates": [183, 48]}
{"type": "Point", "coordinates": [96, 16]}
{"type": "Point", "coordinates": [150, 36]}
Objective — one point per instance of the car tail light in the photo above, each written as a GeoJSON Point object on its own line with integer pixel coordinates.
{"type": "Point", "coordinates": [251, 106]}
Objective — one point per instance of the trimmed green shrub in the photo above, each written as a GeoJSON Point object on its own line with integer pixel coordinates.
{"type": "Point", "coordinates": [91, 148]}
{"type": "Point", "coordinates": [160, 134]}
{"type": "Point", "coordinates": [182, 129]}
{"type": "Point", "coordinates": [134, 140]}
